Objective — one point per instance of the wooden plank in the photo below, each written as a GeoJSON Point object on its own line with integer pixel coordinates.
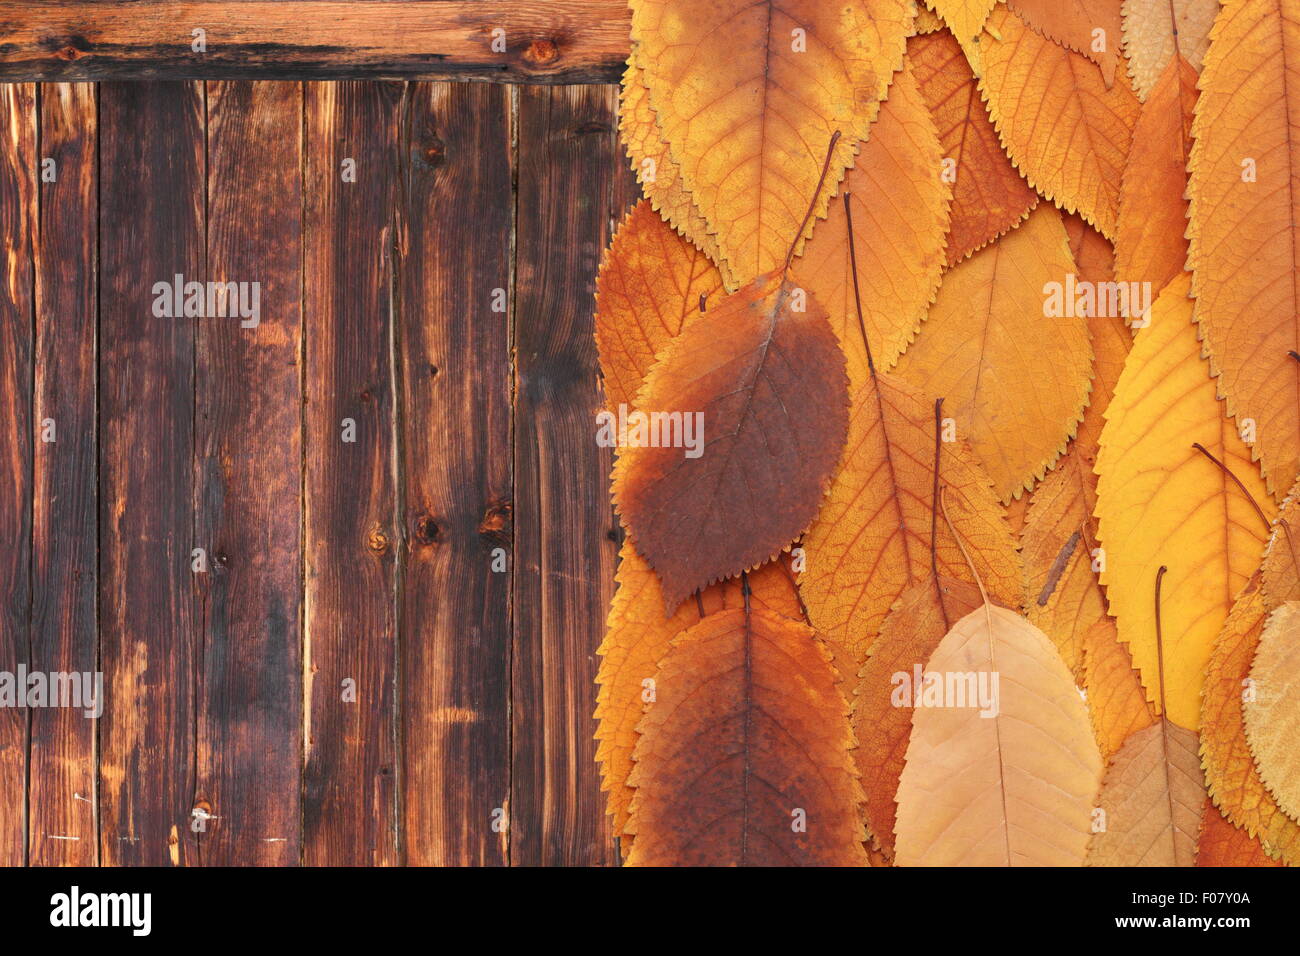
{"type": "Point", "coordinates": [454, 229]}
{"type": "Point", "coordinates": [63, 827]}
{"type": "Point", "coordinates": [349, 800]}
{"type": "Point", "coordinates": [17, 229]}
{"type": "Point", "coordinates": [573, 188]}
{"type": "Point", "coordinates": [545, 41]}
{"type": "Point", "coordinates": [248, 479]}
{"type": "Point", "coordinates": [151, 229]}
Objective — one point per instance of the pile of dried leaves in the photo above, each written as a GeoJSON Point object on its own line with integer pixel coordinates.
{"type": "Point", "coordinates": [987, 319]}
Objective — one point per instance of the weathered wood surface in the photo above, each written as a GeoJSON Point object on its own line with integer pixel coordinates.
{"type": "Point", "coordinates": [386, 654]}
{"type": "Point", "coordinates": [543, 41]}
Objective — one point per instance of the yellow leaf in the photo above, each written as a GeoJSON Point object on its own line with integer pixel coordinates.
{"type": "Point", "coordinates": [899, 208]}
{"type": "Point", "coordinates": [1015, 789]}
{"type": "Point", "coordinates": [1272, 712]}
{"type": "Point", "coordinates": [871, 539]}
{"type": "Point", "coordinates": [1163, 503]}
{"type": "Point", "coordinates": [1015, 380]}
{"type": "Point", "coordinates": [964, 17]}
{"type": "Point", "coordinates": [748, 95]}
{"type": "Point", "coordinates": [1245, 223]}
{"type": "Point", "coordinates": [745, 757]}
{"type": "Point", "coordinates": [648, 288]}
{"type": "Point", "coordinates": [1156, 30]}
{"type": "Point", "coordinates": [1153, 797]}
{"type": "Point", "coordinates": [1062, 127]}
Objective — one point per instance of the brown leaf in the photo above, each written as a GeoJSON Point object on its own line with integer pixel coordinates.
{"type": "Point", "coordinates": [771, 385]}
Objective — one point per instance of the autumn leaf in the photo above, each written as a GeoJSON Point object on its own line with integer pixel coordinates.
{"type": "Point", "coordinates": [927, 21]}
{"type": "Point", "coordinates": [871, 540]}
{"type": "Point", "coordinates": [1230, 770]}
{"type": "Point", "coordinates": [1245, 210]}
{"type": "Point", "coordinates": [1272, 711]}
{"type": "Point", "coordinates": [1065, 131]}
{"type": "Point", "coordinates": [1075, 24]}
{"type": "Point", "coordinates": [1015, 789]}
{"type": "Point", "coordinates": [965, 18]}
{"type": "Point", "coordinates": [649, 286]}
{"type": "Point", "coordinates": [1223, 844]}
{"type": "Point", "coordinates": [898, 205]}
{"type": "Point", "coordinates": [989, 195]}
{"type": "Point", "coordinates": [882, 724]}
{"type": "Point", "coordinates": [1152, 798]}
{"type": "Point", "coordinates": [656, 170]}
{"type": "Point", "coordinates": [1280, 570]}
{"type": "Point", "coordinates": [636, 638]}
{"type": "Point", "coordinates": [1150, 245]}
{"type": "Point", "coordinates": [766, 384]}
{"type": "Point", "coordinates": [745, 756]}
{"type": "Point", "coordinates": [1164, 503]}
{"type": "Point", "coordinates": [1117, 703]}
{"type": "Point", "coordinates": [747, 95]}
{"type": "Point", "coordinates": [1015, 380]}
{"type": "Point", "coordinates": [1156, 30]}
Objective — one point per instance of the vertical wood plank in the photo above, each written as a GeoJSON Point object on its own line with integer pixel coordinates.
{"type": "Point", "coordinates": [17, 231]}
{"type": "Point", "coordinates": [248, 480]}
{"type": "Point", "coordinates": [454, 229]}
{"type": "Point", "coordinates": [63, 777]}
{"type": "Point", "coordinates": [573, 188]}
{"type": "Point", "coordinates": [151, 229]}
{"type": "Point", "coordinates": [349, 799]}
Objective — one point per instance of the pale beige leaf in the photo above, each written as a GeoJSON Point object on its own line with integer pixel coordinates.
{"type": "Point", "coordinates": [1273, 712]}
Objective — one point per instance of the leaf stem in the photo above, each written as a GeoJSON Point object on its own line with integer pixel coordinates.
{"type": "Point", "coordinates": [1237, 481]}
{"type": "Point", "coordinates": [812, 204]}
{"type": "Point", "coordinates": [935, 503]}
{"type": "Point", "coordinates": [857, 293]}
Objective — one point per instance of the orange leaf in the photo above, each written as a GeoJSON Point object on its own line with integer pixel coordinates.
{"type": "Point", "coordinates": [745, 757]}
{"type": "Point", "coordinates": [900, 215]}
{"type": "Point", "coordinates": [1073, 24]}
{"type": "Point", "coordinates": [648, 288]}
{"type": "Point", "coordinates": [1062, 127]}
{"type": "Point", "coordinates": [1015, 380]}
{"type": "Point", "coordinates": [1245, 224]}
{"type": "Point", "coordinates": [989, 196]}
{"type": "Point", "coordinates": [1223, 844]}
{"type": "Point", "coordinates": [764, 387]}
{"type": "Point", "coordinates": [748, 95]}
{"type": "Point", "coordinates": [1116, 700]}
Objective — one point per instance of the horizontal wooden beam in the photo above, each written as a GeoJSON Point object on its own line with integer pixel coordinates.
{"type": "Point", "coordinates": [513, 41]}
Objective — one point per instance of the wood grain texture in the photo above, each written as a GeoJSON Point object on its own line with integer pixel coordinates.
{"type": "Point", "coordinates": [150, 171]}
{"type": "Point", "coordinates": [350, 789]}
{"type": "Point", "coordinates": [64, 519]}
{"type": "Point", "coordinates": [17, 227]}
{"type": "Point", "coordinates": [545, 41]}
{"type": "Point", "coordinates": [454, 233]}
{"type": "Point", "coordinates": [248, 478]}
{"type": "Point", "coordinates": [573, 190]}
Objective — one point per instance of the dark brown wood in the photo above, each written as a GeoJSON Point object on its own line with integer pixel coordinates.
{"type": "Point", "coordinates": [17, 229]}
{"type": "Point", "coordinates": [352, 547]}
{"type": "Point", "coordinates": [248, 480]}
{"type": "Point", "coordinates": [545, 41]}
{"type": "Point", "coordinates": [573, 188]}
{"type": "Point", "coordinates": [151, 229]}
{"type": "Point", "coordinates": [62, 830]}
{"type": "Point", "coordinates": [454, 235]}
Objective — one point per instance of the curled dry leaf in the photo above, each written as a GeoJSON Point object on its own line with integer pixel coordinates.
{"type": "Point", "coordinates": [1223, 844]}
{"type": "Point", "coordinates": [1230, 771]}
{"type": "Point", "coordinates": [1272, 710]}
{"type": "Point", "coordinates": [1015, 789]}
{"type": "Point", "coordinates": [1062, 127]}
{"type": "Point", "coordinates": [1015, 380]}
{"type": "Point", "coordinates": [1155, 31]}
{"type": "Point", "coordinates": [656, 170]}
{"type": "Point", "coordinates": [899, 212]}
{"type": "Point", "coordinates": [745, 757]}
{"type": "Point", "coordinates": [989, 196]}
{"type": "Point", "coordinates": [1090, 27]}
{"type": "Point", "coordinates": [1162, 502]}
{"type": "Point", "coordinates": [636, 638]}
{"type": "Point", "coordinates": [770, 384]}
{"type": "Point", "coordinates": [650, 285]}
{"type": "Point", "coordinates": [746, 105]}
{"type": "Point", "coordinates": [872, 537]}
{"type": "Point", "coordinates": [1245, 224]}
{"type": "Point", "coordinates": [1152, 798]}
{"type": "Point", "coordinates": [882, 717]}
